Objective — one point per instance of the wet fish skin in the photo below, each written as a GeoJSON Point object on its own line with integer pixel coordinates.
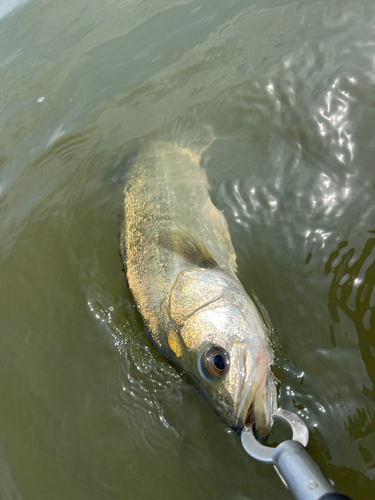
{"type": "Point", "coordinates": [181, 269]}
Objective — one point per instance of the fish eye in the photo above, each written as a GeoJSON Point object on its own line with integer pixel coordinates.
{"type": "Point", "coordinates": [214, 362]}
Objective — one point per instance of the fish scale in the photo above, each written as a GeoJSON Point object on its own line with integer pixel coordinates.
{"type": "Point", "coordinates": [181, 269]}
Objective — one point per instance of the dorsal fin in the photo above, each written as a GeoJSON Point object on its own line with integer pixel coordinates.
{"type": "Point", "coordinates": [198, 143]}
{"type": "Point", "coordinates": [187, 245]}
{"type": "Point", "coordinates": [193, 143]}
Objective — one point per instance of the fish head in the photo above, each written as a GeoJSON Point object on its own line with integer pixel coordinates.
{"type": "Point", "coordinates": [225, 350]}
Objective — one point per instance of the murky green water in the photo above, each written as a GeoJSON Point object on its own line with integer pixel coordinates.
{"type": "Point", "coordinates": [87, 408]}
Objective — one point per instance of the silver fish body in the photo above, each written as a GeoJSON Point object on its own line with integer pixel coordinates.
{"type": "Point", "coordinates": [181, 269]}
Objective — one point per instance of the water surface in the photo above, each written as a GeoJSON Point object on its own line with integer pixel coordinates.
{"type": "Point", "coordinates": [88, 409]}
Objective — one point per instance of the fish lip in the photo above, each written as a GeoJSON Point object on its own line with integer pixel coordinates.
{"type": "Point", "coordinates": [246, 402]}
{"type": "Point", "coordinates": [250, 423]}
{"type": "Point", "coordinates": [248, 418]}
{"type": "Point", "coordinates": [253, 383]}
{"type": "Point", "coordinates": [245, 423]}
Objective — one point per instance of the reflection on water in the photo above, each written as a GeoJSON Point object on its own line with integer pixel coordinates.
{"type": "Point", "coordinates": [353, 292]}
{"type": "Point", "coordinates": [333, 122]}
{"type": "Point", "coordinates": [8, 6]}
{"type": "Point", "coordinates": [87, 406]}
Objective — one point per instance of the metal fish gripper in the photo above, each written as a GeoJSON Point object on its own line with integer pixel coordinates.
{"type": "Point", "coordinates": [296, 469]}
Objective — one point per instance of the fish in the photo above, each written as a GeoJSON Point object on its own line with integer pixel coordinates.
{"type": "Point", "coordinates": [181, 269]}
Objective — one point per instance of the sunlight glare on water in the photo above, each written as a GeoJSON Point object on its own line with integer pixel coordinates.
{"type": "Point", "coordinates": [88, 408]}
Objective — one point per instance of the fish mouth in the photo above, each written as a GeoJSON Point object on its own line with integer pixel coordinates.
{"type": "Point", "coordinates": [251, 411]}
{"type": "Point", "coordinates": [250, 419]}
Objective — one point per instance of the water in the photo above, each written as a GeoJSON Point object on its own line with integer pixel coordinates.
{"type": "Point", "coordinates": [88, 409]}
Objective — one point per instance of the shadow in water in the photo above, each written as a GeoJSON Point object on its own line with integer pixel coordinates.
{"type": "Point", "coordinates": [355, 278]}
{"type": "Point", "coordinates": [353, 291]}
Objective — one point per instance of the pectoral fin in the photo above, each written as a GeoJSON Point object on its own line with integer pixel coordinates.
{"type": "Point", "coordinates": [217, 220]}
{"type": "Point", "coordinates": [189, 246]}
